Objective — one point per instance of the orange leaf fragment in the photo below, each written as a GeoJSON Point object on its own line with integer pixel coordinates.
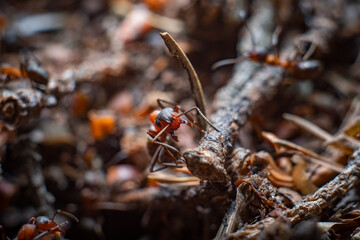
{"type": "Point", "coordinates": [102, 124]}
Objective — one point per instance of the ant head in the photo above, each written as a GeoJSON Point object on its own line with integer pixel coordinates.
{"type": "Point", "coordinates": [42, 220]}
{"type": "Point", "coordinates": [44, 223]}
{"type": "Point", "coordinates": [165, 115]}
{"type": "Point", "coordinates": [307, 69]}
{"type": "Point", "coordinates": [259, 54]}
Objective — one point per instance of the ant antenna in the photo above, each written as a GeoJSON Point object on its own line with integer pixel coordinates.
{"type": "Point", "coordinates": [225, 62]}
{"type": "Point", "coordinates": [67, 214]}
{"type": "Point", "coordinates": [275, 40]}
{"type": "Point", "coordinates": [238, 59]}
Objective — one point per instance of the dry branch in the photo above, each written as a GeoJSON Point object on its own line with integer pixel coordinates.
{"type": "Point", "coordinates": [251, 85]}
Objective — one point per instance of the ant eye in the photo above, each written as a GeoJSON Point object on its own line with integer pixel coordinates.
{"type": "Point", "coordinates": [42, 220]}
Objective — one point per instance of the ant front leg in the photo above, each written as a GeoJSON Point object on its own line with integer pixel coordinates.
{"type": "Point", "coordinates": [202, 115]}
{"type": "Point", "coordinates": [150, 132]}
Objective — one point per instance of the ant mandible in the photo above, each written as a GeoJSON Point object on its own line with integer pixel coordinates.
{"type": "Point", "coordinates": [38, 227]}
{"type": "Point", "coordinates": [164, 123]}
{"type": "Point", "coordinates": [300, 69]}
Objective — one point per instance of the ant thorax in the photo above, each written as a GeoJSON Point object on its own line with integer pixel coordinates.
{"type": "Point", "coordinates": [165, 115]}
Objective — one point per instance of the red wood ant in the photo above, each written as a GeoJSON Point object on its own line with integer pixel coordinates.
{"type": "Point", "coordinates": [165, 123]}
{"type": "Point", "coordinates": [41, 226]}
{"type": "Point", "coordinates": [301, 69]}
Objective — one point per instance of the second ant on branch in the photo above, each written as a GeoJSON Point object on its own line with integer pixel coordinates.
{"type": "Point", "coordinates": [298, 68]}
{"type": "Point", "coordinates": [164, 123]}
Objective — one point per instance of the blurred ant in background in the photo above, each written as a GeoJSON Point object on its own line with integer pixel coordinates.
{"type": "Point", "coordinates": [42, 226]}
{"type": "Point", "coordinates": [18, 102]}
{"type": "Point", "coordinates": [298, 68]}
{"type": "Point", "coordinates": [164, 123]}
{"type": "Point", "coordinates": [30, 67]}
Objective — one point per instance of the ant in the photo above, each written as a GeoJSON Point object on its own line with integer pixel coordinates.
{"type": "Point", "coordinates": [301, 69]}
{"type": "Point", "coordinates": [30, 67]}
{"type": "Point", "coordinates": [164, 123]}
{"type": "Point", "coordinates": [38, 227]}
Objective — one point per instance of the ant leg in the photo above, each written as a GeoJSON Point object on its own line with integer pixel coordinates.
{"type": "Point", "coordinates": [159, 134]}
{"type": "Point", "coordinates": [32, 220]}
{"type": "Point", "coordinates": [252, 37]}
{"type": "Point", "coordinates": [3, 82]}
{"type": "Point", "coordinates": [178, 107]}
{"type": "Point", "coordinates": [175, 164]}
{"type": "Point", "coordinates": [161, 101]}
{"type": "Point", "coordinates": [34, 91]}
{"type": "Point", "coordinates": [275, 40]}
{"type": "Point", "coordinates": [174, 137]}
{"type": "Point", "coordinates": [2, 234]}
{"type": "Point", "coordinates": [64, 213]}
{"type": "Point", "coordinates": [173, 104]}
{"type": "Point", "coordinates": [152, 133]}
{"type": "Point", "coordinates": [310, 51]}
{"type": "Point", "coordinates": [238, 59]}
{"type": "Point", "coordinates": [225, 62]}
{"type": "Point", "coordinates": [50, 230]}
{"type": "Point", "coordinates": [202, 115]}
{"type": "Point", "coordinates": [168, 146]}
{"type": "Point", "coordinates": [156, 158]}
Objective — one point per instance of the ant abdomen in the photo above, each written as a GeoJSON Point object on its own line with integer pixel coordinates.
{"type": "Point", "coordinates": [306, 69]}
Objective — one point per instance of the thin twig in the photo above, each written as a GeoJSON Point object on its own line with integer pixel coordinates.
{"type": "Point", "coordinates": [308, 126]}
{"type": "Point", "coordinates": [311, 206]}
{"type": "Point", "coordinates": [276, 142]}
{"type": "Point", "coordinates": [195, 84]}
